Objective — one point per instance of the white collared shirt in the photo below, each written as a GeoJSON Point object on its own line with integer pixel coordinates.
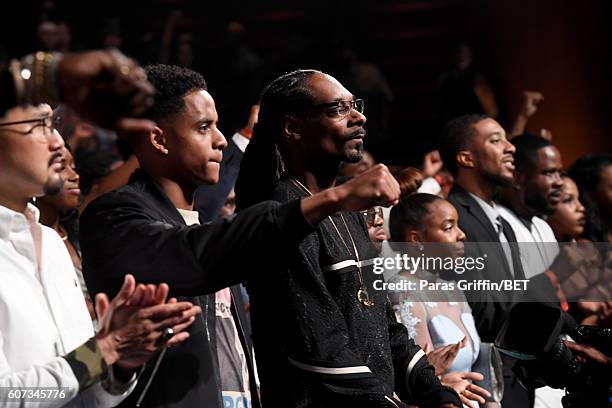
{"type": "Point", "coordinates": [538, 246]}
{"type": "Point", "coordinates": [43, 315]}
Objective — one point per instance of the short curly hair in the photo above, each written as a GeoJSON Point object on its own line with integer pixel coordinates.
{"type": "Point", "coordinates": [527, 147]}
{"type": "Point", "coordinates": [457, 136]}
{"type": "Point", "coordinates": [171, 84]}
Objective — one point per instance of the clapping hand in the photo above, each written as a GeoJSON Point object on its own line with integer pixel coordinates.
{"type": "Point", "coordinates": [133, 323]}
{"type": "Point", "coordinates": [469, 393]}
{"type": "Point", "coordinates": [442, 358]}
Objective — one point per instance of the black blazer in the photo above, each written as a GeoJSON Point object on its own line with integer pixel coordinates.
{"type": "Point", "coordinates": [489, 308]}
{"type": "Point", "coordinates": [137, 230]}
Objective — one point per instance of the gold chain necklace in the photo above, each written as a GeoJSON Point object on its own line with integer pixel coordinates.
{"type": "Point", "coordinates": [362, 294]}
{"type": "Point", "coordinates": [62, 233]}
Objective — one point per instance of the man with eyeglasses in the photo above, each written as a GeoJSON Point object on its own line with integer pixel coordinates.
{"type": "Point", "coordinates": [324, 337]}
{"type": "Point", "coordinates": [49, 353]}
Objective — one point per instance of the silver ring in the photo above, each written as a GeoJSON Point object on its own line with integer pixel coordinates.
{"type": "Point", "coordinates": [167, 334]}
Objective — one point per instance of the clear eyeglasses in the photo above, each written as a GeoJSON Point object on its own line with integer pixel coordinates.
{"type": "Point", "coordinates": [340, 109]}
{"type": "Point", "coordinates": [47, 123]}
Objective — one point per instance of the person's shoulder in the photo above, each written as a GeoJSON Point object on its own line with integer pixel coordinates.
{"type": "Point", "coordinates": [132, 195]}
{"type": "Point", "coordinates": [404, 276]}
{"type": "Point", "coordinates": [129, 192]}
{"type": "Point", "coordinates": [462, 202]}
{"type": "Point", "coordinates": [51, 235]}
{"type": "Point", "coordinates": [541, 223]}
{"type": "Point", "coordinates": [545, 229]}
{"type": "Point", "coordinates": [458, 195]}
{"type": "Point", "coordinates": [286, 191]}
{"type": "Point", "coordinates": [507, 214]}
{"type": "Point", "coordinates": [58, 251]}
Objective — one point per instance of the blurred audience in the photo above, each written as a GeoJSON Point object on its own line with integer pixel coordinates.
{"type": "Point", "coordinates": [463, 89]}
{"type": "Point", "coordinates": [46, 36]}
{"type": "Point", "coordinates": [368, 81]}
{"type": "Point", "coordinates": [507, 196]}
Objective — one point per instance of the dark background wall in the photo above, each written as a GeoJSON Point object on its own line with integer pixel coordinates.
{"type": "Point", "coordinates": [561, 48]}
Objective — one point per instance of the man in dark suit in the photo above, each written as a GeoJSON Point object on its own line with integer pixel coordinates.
{"type": "Point", "coordinates": [480, 158]}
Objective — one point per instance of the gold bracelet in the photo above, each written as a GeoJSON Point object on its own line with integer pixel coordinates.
{"type": "Point", "coordinates": [43, 87]}
{"type": "Point", "coordinates": [21, 79]}
{"type": "Point", "coordinates": [50, 89]}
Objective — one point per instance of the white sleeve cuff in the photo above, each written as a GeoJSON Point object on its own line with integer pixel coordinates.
{"type": "Point", "coordinates": [430, 186]}
{"type": "Point", "coordinates": [241, 141]}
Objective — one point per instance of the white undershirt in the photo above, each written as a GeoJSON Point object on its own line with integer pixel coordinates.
{"type": "Point", "coordinates": [230, 353]}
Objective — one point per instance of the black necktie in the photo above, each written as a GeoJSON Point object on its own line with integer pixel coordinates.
{"type": "Point", "coordinates": [506, 229]}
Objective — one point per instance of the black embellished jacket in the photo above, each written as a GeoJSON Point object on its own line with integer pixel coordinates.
{"type": "Point", "coordinates": [316, 344]}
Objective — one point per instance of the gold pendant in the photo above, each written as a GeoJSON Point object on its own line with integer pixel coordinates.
{"type": "Point", "coordinates": [364, 297]}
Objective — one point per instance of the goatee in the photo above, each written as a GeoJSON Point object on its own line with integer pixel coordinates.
{"type": "Point", "coordinates": [354, 156]}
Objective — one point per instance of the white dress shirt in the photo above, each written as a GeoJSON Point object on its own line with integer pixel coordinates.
{"type": "Point", "coordinates": [536, 241]}
{"type": "Point", "coordinates": [42, 315]}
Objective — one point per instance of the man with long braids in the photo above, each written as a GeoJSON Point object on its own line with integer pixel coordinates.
{"type": "Point", "coordinates": [334, 340]}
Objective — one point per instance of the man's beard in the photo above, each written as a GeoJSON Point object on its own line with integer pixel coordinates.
{"type": "Point", "coordinates": [53, 185]}
{"type": "Point", "coordinates": [55, 182]}
{"type": "Point", "coordinates": [497, 180]}
{"type": "Point", "coordinates": [539, 204]}
{"type": "Point", "coordinates": [353, 157]}
{"type": "Point", "coordinates": [377, 246]}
